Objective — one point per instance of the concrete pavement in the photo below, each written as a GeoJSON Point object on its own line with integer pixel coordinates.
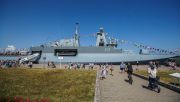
{"type": "Point", "coordinates": [116, 89]}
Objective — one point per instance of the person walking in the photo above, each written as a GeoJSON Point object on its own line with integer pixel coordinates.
{"type": "Point", "coordinates": [152, 75]}
{"type": "Point", "coordinates": [111, 69]}
{"type": "Point", "coordinates": [137, 65]}
{"type": "Point", "coordinates": [104, 73]}
{"type": "Point", "coordinates": [30, 64]}
{"type": "Point", "coordinates": [122, 67]}
{"type": "Point", "coordinates": [129, 72]}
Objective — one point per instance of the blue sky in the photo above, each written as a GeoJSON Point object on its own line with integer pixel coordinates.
{"type": "Point", "coordinates": [32, 22]}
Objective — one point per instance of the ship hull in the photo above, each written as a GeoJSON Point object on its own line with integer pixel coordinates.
{"type": "Point", "coordinates": [101, 58]}
{"type": "Point", "coordinates": [92, 54]}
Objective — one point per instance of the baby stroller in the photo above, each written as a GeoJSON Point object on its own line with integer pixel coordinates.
{"type": "Point", "coordinates": [154, 84]}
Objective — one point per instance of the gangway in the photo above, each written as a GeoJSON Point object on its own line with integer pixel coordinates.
{"type": "Point", "coordinates": [29, 57]}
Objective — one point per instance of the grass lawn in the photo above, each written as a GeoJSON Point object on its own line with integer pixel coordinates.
{"type": "Point", "coordinates": [56, 85]}
{"type": "Point", "coordinates": [164, 75]}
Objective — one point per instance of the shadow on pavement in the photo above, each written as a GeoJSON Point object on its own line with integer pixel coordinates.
{"type": "Point", "coordinates": [127, 80]}
{"type": "Point", "coordinates": [143, 86]}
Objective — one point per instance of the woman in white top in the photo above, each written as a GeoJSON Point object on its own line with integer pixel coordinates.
{"type": "Point", "coordinates": [152, 74]}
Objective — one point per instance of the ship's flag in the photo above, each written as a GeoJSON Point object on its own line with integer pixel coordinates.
{"type": "Point", "coordinates": [123, 41]}
{"type": "Point", "coordinates": [148, 47]}
{"type": "Point", "coordinates": [177, 50]}
{"type": "Point", "coordinates": [135, 44]}
{"type": "Point", "coordinates": [145, 47]}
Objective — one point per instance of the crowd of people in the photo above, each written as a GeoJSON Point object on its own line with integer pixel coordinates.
{"type": "Point", "coordinates": [78, 66]}
{"type": "Point", "coordinates": [127, 67]}
{"type": "Point", "coordinates": [51, 64]}
{"type": "Point", "coordinates": [9, 53]}
{"type": "Point", "coordinates": [104, 70]}
{"type": "Point", "coordinates": [172, 64]}
{"type": "Point", "coordinates": [9, 63]}
{"type": "Point", "coordinates": [14, 64]}
{"type": "Point", "coordinates": [123, 66]}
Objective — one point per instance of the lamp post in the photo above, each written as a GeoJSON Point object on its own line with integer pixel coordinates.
{"type": "Point", "coordinates": [60, 58]}
{"type": "Point", "coordinates": [44, 58]}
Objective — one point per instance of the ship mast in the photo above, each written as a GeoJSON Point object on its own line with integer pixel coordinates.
{"type": "Point", "coordinates": [76, 36]}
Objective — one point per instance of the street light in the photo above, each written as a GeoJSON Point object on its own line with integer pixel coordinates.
{"type": "Point", "coordinates": [44, 58]}
{"type": "Point", "coordinates": [60, 58]}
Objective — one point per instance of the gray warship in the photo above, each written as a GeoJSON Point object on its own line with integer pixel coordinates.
{"type": "Point", "coordinates": [105, 51]}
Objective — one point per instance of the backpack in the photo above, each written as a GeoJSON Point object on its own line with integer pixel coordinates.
{"type": "Point", "coordinates": [129, 67]}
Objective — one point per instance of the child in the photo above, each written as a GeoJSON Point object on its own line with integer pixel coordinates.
{"type": "Point", "coordinates": [104, 72]}
{"type": "Point", "coordinates": [111, 69]}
